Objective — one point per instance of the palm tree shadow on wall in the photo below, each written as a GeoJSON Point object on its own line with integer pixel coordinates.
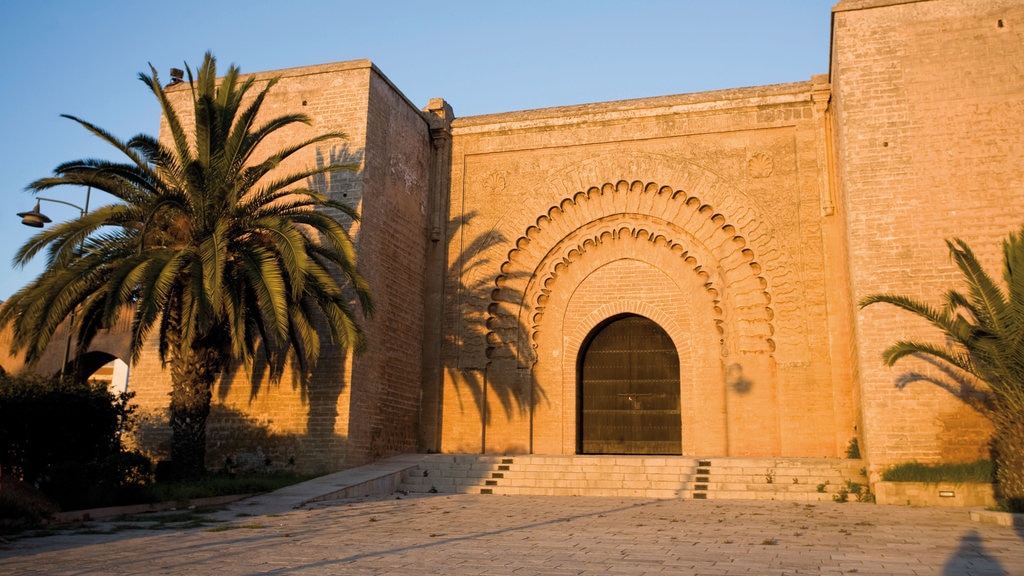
{"type": "Point", "coordinates": [504, 371]}
{"type": "Point", "coordinates": [955, 383]}
{"type": "Point", "coordinates": [319, 386]}
{"type": "Point", "coordinates": [236, 441]}
{"type": "Point", "coordinates": [961, 386]}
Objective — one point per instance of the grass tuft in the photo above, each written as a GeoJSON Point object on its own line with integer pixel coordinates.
{"type": "Point", "coordinates": [222, 485]}
{"type": "Point", "coordinates": [980, 471]}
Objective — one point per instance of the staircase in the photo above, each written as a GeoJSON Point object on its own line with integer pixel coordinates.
{"type": "Point", "coordinates": [666, 477]}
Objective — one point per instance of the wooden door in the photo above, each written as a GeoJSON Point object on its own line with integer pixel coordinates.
{"type": "Point", "coordinates": [629, 390]}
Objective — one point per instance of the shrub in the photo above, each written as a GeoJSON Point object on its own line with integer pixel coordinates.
{"type": "Point", "coordinates": [64, 437]}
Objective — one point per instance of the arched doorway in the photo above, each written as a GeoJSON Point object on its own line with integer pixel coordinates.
{"type": "Point", "coordinates": [628, 375]}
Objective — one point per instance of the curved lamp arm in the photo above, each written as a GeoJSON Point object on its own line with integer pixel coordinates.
{"type": "Point", "coordinates": [37, 219]}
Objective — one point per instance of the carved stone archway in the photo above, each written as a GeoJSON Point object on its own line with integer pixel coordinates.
{"type": "Point", "coordinates": [691, 254]}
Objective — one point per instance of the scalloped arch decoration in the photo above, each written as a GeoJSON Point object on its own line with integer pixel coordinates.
{"type": "Point", "coordinates": [664, 219]}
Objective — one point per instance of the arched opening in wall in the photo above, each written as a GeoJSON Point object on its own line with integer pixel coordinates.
{"type": "Point", "coordinates": [102, 367]}
{"type": "Point", "coordinates": [628, 389]}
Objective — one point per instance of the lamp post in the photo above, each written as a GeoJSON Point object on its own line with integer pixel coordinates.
{"type": "Point", "coordinates": [37, 219]}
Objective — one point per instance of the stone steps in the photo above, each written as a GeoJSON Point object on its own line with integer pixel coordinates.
{"type": "Point", "coordinates": [796, 479]}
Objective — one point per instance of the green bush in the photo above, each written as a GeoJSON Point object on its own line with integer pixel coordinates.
{"type": "Point", "coordinates": [853, 449]}
{"type": "Point", "coordinates": [64, 437]}
{"type": "Point", "coordinates": [980, 471]}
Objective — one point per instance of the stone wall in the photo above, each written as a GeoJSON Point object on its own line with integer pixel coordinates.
{"type": "Point", "coordinates": [349, 409]}
{"type": "Point", "coordinates": [746, 223]}
{"type": "Point", "coordinates": [385, 397]}
{"type": "Point", "coordinates": [705, 213]}
{"type": "Point", "coordinates": [928, 103]}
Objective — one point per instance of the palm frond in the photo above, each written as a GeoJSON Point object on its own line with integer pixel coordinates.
{"type": "Point", "coordinates": [903, 348]}
{"type": "Point", "coordinates": [206, 238]}
{"type": "Point", "coordinates": [170, 115]}
{"type": "Point", "coordinates": [985, 325]}
{"type": "Point", "coordinates": [987, 299]}
{"type": "Point", "coordinates": [1013, 276]}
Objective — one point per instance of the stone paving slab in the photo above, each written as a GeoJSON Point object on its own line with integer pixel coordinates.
{"type": "Point", "coordinates": [519, 535]}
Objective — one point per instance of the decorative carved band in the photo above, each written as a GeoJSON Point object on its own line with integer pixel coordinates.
{"type": "Point", "coordinates": [657, 217]}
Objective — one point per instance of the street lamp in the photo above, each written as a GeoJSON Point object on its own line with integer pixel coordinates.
{"type": "Point", "coordinates": [37, 219]}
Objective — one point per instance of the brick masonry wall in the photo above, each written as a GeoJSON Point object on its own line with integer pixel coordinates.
{"type": "Point", "coordinates": [349, 410]}
{"type": "Point", "coordinates": [384, 412]}
{"type": "Point", "coordinates": [713, 214]}
{"type": "Point", "coordinates": [702, 212]}
{"type": "Point", "coordinates": [927, 97]}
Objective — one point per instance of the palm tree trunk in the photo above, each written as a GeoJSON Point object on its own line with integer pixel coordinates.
{"type": "Point", "coordinates": [1008, 449]}
{"type": "Point", "coordinates": [192, 379]}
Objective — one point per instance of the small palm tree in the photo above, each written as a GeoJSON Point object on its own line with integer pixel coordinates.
{"type": "Point", "coordinates": [985, 331]}
{"type": "Point", "coordinates": [208, 244]}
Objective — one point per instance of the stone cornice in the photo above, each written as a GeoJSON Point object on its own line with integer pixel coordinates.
{"type": "Point", "coordinates": [701, 102]}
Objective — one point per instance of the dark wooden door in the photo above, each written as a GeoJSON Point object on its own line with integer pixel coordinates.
{"type": "Point", "coordinates": [629, 390]}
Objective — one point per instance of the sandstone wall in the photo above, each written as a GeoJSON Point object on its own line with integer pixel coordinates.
{"type": "Point", "coordinates": [349, 410]}
{"type": "Point", "coordinates": [929, 103]}
{"type": "Point", "coordinates": [385, 399]}
{"type": "Point", "coordinates": [707, 213]}
{"type": "Point", "coordinates": [746, 223]}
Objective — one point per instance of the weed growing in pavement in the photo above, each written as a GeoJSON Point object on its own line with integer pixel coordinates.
{"type": "Point", "coordinates": [860, 492]}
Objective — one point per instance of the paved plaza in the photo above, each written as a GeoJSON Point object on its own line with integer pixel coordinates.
{"type": "Point", "coordinates": [522, 535]}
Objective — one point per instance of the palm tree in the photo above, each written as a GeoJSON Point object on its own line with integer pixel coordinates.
{"type": "Point", "coordinates": [984, 328]}
{"type": "Point", "coordinates": [208, 244]}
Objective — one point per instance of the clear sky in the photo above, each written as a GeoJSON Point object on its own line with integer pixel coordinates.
{"type": "Point", "coordinates": [82, 57]}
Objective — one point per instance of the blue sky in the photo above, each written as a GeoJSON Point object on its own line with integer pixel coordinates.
{"type": "Point", "coordinates": [83, 58]}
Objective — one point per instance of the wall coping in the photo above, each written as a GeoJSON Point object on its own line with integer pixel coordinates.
{"type": "Point", "coordinates": [633, 109]}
